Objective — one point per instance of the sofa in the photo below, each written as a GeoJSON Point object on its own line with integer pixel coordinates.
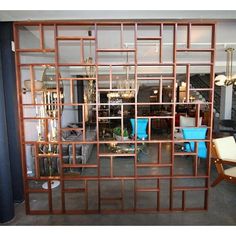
{"type": "Point", "coordinates": [82, 152]}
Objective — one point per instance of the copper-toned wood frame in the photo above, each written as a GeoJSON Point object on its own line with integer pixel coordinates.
{"type": "Point", "coordinates": [172, 188]}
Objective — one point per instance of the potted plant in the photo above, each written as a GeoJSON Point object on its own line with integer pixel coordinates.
{"type": "Point", "coordinates": [118, 135]}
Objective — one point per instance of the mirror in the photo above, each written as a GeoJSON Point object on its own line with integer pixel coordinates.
{"type": "Point", "coordinates": [50, 91]}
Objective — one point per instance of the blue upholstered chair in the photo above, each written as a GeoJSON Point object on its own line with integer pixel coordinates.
{"type": "Point", "coordinates": [195, 133]}
{"type": "Point", "coordinates": [141, 128]}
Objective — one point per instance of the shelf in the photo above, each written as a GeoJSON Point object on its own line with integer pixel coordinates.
{"type": "Point", "coordinates": [74, 38]}
{"type": "Point", "coordinates": [185, 153]}
{"type": "Point", "coordinates": [149, 38]}
{"type": "Point", "coordinates": [35, 50]}
{"type": "Point", "coordinates": [155, 117]}
{"type": "Point", "coordinates": [156, 78]}
{"type": "Point", "coordinates": [115, 50]}
{"type": "Point", "coordinates": [194, 64]}
{"type": "Point", "coordinates": [195, 50]}
{"type": "Point", "coordinates": [109, 117]}
{"type": "Point", "coordinates": [147, 189]}
{"type": "Point", "coordinates": [48, 155]}
{"type": "Point", "coordinates": [116, 154]}
{"type": "Point", "coordinates": [85, 78]}
{"type": "Point", "coordinates": [201, 89]}
{"type": "Point", "coordinates": [153, 165]}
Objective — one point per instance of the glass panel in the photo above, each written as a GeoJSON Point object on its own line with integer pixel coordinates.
{"type": "Point", "coordinates": [148, 30]}
{"type": "Point", "coordinates": [148, 51]}
{"type": "Point", "coordinates": [29, 37]}
{"type": "Point", "coordinates": [201, 36]}
{"type": "Point", "coordinates": [49, 37]}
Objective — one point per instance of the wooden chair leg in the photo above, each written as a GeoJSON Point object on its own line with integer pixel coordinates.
{"type": "Point", "coordinates": [218, 180]}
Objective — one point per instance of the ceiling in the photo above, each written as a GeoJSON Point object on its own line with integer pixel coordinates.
{"type": "Point", "coordinates": [225, 31]}
{"type": "Point", "coordinates": [21, 15]}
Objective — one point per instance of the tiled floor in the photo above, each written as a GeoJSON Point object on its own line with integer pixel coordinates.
{"type": "Point", "coordinates": [222, 206]}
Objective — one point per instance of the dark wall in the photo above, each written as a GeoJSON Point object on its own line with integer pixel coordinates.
{"type": "Point", "coordinates": [11, 182]}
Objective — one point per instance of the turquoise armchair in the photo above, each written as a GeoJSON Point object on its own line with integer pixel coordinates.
{"type": "Point", "coordinates": [141, 128]}
{"type": "Point", "coordinates": [195, 133]}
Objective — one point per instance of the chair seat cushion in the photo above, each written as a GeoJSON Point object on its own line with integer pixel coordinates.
{"type": "Point", "coordinates": [231, 171]}
{"type": "Point", "coordinates": [178, 135]}
{"type": "Point", "coordinates": [226, 148]}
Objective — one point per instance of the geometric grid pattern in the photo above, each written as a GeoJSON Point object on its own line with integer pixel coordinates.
{"type": "Point", "coordinates": [153, 184]}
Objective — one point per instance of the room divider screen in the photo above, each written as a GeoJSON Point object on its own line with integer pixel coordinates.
{"type": "Point", "coordinates": [99, 104]}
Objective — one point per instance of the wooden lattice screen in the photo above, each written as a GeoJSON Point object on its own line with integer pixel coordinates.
{"type": "Point", "coordinates": [136, 72]}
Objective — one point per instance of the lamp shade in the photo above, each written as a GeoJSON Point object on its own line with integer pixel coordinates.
{"type": "Point", "coordinates": [234, 76]}
{"type": "Point", "coordinates": [37, 83]}
{"type": "Point", "coordinates": [220, 80]}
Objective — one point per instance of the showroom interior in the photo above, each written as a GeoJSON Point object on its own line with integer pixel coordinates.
{"type": "Point", "coordinates": [117, 117]}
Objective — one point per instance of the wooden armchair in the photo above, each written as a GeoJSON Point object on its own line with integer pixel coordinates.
{"type": "Point", "coordinates": [224, 153]}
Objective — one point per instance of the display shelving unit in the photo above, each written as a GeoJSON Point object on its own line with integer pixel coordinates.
{"type": "Point", "coordinates": [168, 189]}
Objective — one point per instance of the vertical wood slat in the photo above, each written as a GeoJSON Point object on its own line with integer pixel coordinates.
{"type": "Point", "coordinates": [71, 92]}
{"type": "Point", "coordinates": [160, 89]}
{"type": "Point", "coordinates": [97, 121]}
{"type": "Point", "coordinates": [74, 154]}
{"type": "Point", "coordinates": [159, 153]}
{"type": "Point", "coordinates": [173, 120]}
{"type": "Point", "coordinates": [135, 116]}
{"type": "Point", "coordinates": [27, 196]}
{"type": "Point", "coordinates": [187, 82]}
{"type": "Point", "coordinates": [158, 195]}
{"type": "Point", "coordinates": [183, 200]}
{"type": "Point", "coordinates": [45, 123]}
{"type": "Point", "coordinates": [196, 159]}
{"type": "Point", "coordinates": [161, 43]}
{"type": "Point", "coordinates": [212, 85]}
{"type": "Point", "coordinates": [62, 183]}
{"type": "Point", "coordinates": [84, 128]}
{"type": "Point", "coordinates": [122, 194]}
{"type": "Point", "coordinates": [82, 51]}
{"type": "Point", "coordinates": [149, 128]}
{"type": "Point", "coordinates": [32, 84]}
{"type": "Point", "coordinates": [197, 116]}
{"type": "Point", "coordinates": [36, 147]}
{"type": "Point", "coordinates": [121, 35]}
{"type": "Point", "coordinates": [122, 121]}
{"type": "Point", "coordinates": [110, 76]}
{"type": "Point", "coordinates": [171, 194]}
{"type": "Point", "coordinates": [49, 195]}
{"type": "Point", "coordinates": [20, 118]}
{"type": "Point", "coordinates": [174, 98]}
{"type": "Point", "coordinates": [41, 30]}
{"type": "Point", "coordinates": [111, 166]}
{"type": "Point", "coordinates": [86, 194]}
{"type": "Point", "coordinates": [189, 35]}
{"type": "Point", "coordinates": [59, 131]}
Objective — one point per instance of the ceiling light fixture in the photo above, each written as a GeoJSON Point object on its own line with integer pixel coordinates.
{"type": "Point", "coordinates": [229, 78]}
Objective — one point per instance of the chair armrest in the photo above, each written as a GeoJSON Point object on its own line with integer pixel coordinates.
{"type": "Point", "coordinates": [226, 162]}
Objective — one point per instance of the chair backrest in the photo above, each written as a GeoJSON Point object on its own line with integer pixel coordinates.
{"type": "Point", "coordinates": [225, 148]}
{"type": "Point", "coordinates": [196, 133]}
{"type": "Point", "coordinates": [188, 121]}
{"type": "Point", "coordinates": [141, 127]}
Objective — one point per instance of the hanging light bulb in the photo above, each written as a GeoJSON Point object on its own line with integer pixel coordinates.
{"type": "Point", "coordinates": [90, 71]}
{"type": "Point", "coordinates": [128, 83]}
{"type": "Point", "coordinates": [220, 80]}
{"type": "Point", "coordinates": [229, 78]}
